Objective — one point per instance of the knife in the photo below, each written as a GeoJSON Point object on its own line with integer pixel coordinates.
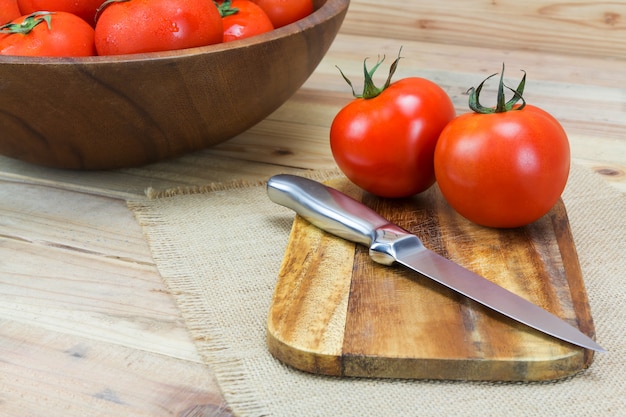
{"type": "Point", "coordinates": [388, 243]}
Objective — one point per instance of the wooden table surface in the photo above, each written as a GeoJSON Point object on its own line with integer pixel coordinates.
{"type": "Point", "coordinates": [88, 328]}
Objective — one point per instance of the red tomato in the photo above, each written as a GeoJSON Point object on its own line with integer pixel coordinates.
{"type": "Point", "coordinates": [243, 19]}
{"type": "Point", "coordinates": [136, 26]}
{"type": "Point", "coordinates": [283, 12]}
{"type": "Point", "coordinates": [85, 9]}
{"type": "Point", "coordinates": [503, 169]}
{"type": "Point", "coordinates": [47, 34]}
{"type": "Point", "coordinates": [9, 11]}
{"type": "Point", "coordinates": [386, 144]}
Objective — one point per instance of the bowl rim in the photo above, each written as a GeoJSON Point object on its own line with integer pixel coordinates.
{"type": "Point", "coordinates": [321, 14]}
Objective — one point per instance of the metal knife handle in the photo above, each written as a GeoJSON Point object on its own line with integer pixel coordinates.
{"type": "Point", "coordinates": [328, 209]}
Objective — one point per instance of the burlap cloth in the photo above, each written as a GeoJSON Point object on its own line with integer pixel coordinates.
{"type": "Point", "coordinates": [219, 249]}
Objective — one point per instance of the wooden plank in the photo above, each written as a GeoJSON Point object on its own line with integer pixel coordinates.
{"type": "Point", "coordinates": [337, 312]}
{"type": "Point", "coordinates": [575, 27]}
{"type": "Point", "coordinates": [196, 169]}
{"type": "Point", "coordinates": [87, 326]}
{"type": "Point", "coordinates": [47, 373]}
{"type": "Point", "coordinates": [48, 217]}
{"type": "Point", "coordinates": [75, 293]}
{"type": "Point", "coordinates": [79, 271]}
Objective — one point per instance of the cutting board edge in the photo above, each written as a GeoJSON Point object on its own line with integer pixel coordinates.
{"type": "Point", "coordinates": [575, 278]}
{"type": "Point", "coordinates": [304, 360]}
{"type": "Point", "coordinates": [465, 369]}
{"type": "Point", "coordinates": [462, 369]}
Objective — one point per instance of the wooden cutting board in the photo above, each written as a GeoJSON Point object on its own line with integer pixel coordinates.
{"type": "Point", "coordinates": [336, 312]}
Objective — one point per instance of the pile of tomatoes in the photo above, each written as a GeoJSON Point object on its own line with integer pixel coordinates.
{"type": "Point", "coordinates": [113, 27]}
{"type": "Point", "coordinates": [503, 166]}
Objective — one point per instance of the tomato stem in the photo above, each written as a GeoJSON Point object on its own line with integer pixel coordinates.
{"type": "Point", "coordinates": [29, 23]}
{"type": "Point", "coordinates": [225, 8]}
{"type": "Point", "coordinates": [369, 88]}
{"type": "Point", "coordinates": [502, 105]}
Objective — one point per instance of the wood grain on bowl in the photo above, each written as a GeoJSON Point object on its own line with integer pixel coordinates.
{"type": "Point", "coordinates": [121, 111]}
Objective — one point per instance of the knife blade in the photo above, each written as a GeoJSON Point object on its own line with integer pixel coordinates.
{"type": "Point", "coordinates": [343, 216]}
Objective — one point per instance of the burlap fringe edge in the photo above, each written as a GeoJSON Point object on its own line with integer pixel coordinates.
{"type": "Point", "coordinates": [152, 194]}
{"type": "Point", "coordinates": [247, 402]}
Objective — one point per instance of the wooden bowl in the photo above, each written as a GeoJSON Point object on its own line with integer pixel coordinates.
{"type": "Point", "coordinates": [121, 111]}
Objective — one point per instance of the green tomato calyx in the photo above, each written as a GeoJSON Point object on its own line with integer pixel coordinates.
{"type": "Point", "coordinates": [369, 89]}
{"type": "Point", "coordinates": [502, 105]}
{"type": "Point", "coordinates": [226, 9]}
{"type": "Point", "coordinates": [28, 24]}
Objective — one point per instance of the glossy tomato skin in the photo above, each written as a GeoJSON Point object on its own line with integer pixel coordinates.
{"type": "Point", "coordinates": [138, 26]}
{"type": "Point", "coordinates": [386, 144]}
{"type": "Point", "coordinates": [69, 36]}
{"type": "Point", "coordinates": [86, 9]}
{"type": "Point", "coordinates": [250, 20]}
{"type": "Point", "coordinates": [284, 12]}
{"type": "Point", "coordinates": [9, 11]}
{"type": "Point", "coordinates": [505, 169]}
